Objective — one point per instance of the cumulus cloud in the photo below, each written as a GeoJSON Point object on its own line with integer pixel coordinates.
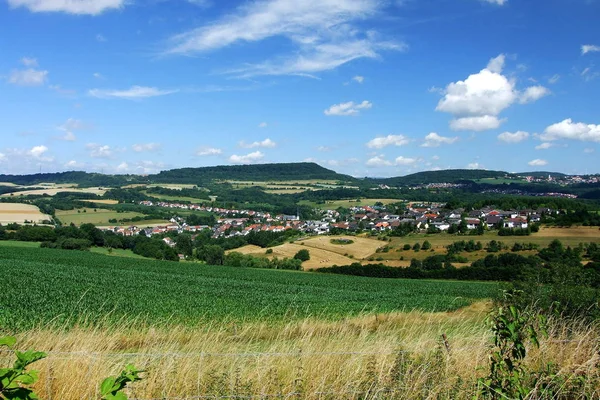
{"type": "Point", "coordinates": [80, 7]}
{"type": "Point", "coordinates": [358, 78]}
{"type": "Point", "coordinates": [538, 162]}
{"type": "Point", "coordinates": [389, 140]}
{"type": "Point", "coordinates": [38, 151]}
{"type": "Point", "coordinates": [533, 93]}
{"type": "Point", "coordinates": [568, 129]}
{"type": "Point", "coordinates": [474, 165]}
{"type": "Point", "coordinates": [146, 147]}
{"type": "Point", "coordinates": [497, 2]}
{"type": "Point", "coordinates": [99, 151]}
{"type": "Point", "coordinates": [208, 151]}
{"type": "Point", "coordinates": [28, 77]}
{"type": "Point", "coordinates": [267, 143]}
{"type": "Point", "coordinates": [476, 124]}
{"type": "Point", "coordinates": [589, 48]}
{"type": "Point", "coordinates": [544, 146]}
{"type": "Point", "coordinates": [323, 33]}
{"type": "Point", "coordinates": [515, 137]}
{"type": "Point", "coordinates": [435, 140]}
{"type": "Point", "coordinates": [135, 92]}
{"type": "Point", "coordinates": [247, 159]}
{"type": "Point", "coordinates": [477, 101]}
{"type": "Point", "coordinates": [348, 109]}
{"type": "Point", "coordinates": [381, 161]}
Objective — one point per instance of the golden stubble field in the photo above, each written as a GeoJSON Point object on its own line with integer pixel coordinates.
{"type": "Point", "coordinates": [19, 213]}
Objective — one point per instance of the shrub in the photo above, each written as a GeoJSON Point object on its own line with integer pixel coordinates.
{"type": "Point", "coordinates": [302, 255]}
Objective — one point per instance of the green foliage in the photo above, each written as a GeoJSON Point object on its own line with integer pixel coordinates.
{"type": "Point", "coordinates": [302, 255]}
{"type": "Point", "coordinates": [112, 387]}
{"type": "Point", "coordinates": [426, 245]}
{"type": "Point", "coordinates": [15, 381]}
{"type": "Point", "coordinates": [508, 377]}
{"type": "Point", "coordinates": [235, 259]}
{"type": "Point", "coordinates": [342, 241]}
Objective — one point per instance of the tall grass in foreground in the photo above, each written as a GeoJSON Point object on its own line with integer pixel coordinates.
{"type": "Point", "coordinates": [393, 356]}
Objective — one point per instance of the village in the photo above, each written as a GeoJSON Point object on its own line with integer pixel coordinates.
{"type": "Point", "coordinates": [422, 217]}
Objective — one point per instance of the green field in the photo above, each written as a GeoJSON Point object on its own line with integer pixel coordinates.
{"type": "Point", "coordinates": [176, 198]}
{"type": "Point", "coordinates": [99, 217]}
{"type": "Point", "coordinates": [43, 285]}
{"type": "Point", "coordinates": [332, 205]}
{"type": "Point", "coordinates": [13, 243]}
{"type": "Point", "coordinates": [116, 252]}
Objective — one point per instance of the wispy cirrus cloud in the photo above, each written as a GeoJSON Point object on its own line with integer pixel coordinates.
{"type": "Point", "coordinates": [323, 34]}
{"type": "Point", "coordinates": [133, 93]}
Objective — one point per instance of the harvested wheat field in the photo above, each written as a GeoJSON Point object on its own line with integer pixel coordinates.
{"type": "Point", "coordinates": [574, 231]}
{"type": "Point", "coordinates": [19, 213]}
{"type": "Point", "coordinates": [361, 248]}
{"type": "Point", "coordinates": [319, 258]}
{"type": "Point", "coordinates": [54, 190]}
{"type": "Point", "coordinates": [109, 202]}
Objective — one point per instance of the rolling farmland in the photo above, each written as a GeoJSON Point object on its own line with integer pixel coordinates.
{"type": "Point", "coordinates": [19, 213]}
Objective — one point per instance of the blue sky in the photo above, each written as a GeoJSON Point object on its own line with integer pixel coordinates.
{"type": "Point", "coordinates": [365, 87]}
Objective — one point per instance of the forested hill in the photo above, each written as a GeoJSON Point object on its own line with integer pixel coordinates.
{"type": "Point", "coordinates": [444, 176]}
{"type": "Point", "coordinates": [83, 179]}
{"type": "Point", "coordinates": [254, 172]}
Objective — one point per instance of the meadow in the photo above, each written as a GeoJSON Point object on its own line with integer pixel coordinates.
{"type": "Point", "coordinates": [334, 204]}
{"type": "Point", "coordinates": [98, 216]}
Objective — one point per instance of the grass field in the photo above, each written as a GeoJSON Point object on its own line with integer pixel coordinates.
{"type": "Point", "coordinates": [109, 202]}
{"type": "Point", "coordinates": [332, 205]}
{"type": "Point", "coordinates": [56, 285]}
{"type": "Point", "coordinates": [177, 198]}
{"type": "Point", "coordinates": [24, 245]}
{"type": "Point", "coordinates": [116, 252]}
{"type": "Point", "coordinates": [19, 213]}
{"type": "Point", "coordinates": [51, 191]}
{"type": "Point", "coordinates": [99, 217]}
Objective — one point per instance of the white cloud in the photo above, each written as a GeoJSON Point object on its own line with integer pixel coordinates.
{"type": "Point", "coordinates": [544, 146]}
{"type": "Point", "coordinates": [516, 137]}
{"type": "Point", "coordinates": [146, 147]}
{"type": "Point", "coordinates": [389, 140]}
{"type": "Point", "coordinates": [498, 2]}
{"type": "Point", "coordinates": [477, 101]}
{"type": "Point", "coordinates": [359, 79]}
{"type": "Point", "coordinates": [435, 140]}
{"type": "Point", "coordinates": [29, 62]}
{"type": "Point", "coordinates": [74, 164]}
{"type": "Point", "coordinates": [69, 127]}
{"type": "Point", "coordinates": [474, 165]}
{"type": "Point", "coordinates": [267, 143]}
{"type": "Point", "coordinates": [588, 150]}
{"type": "Point", "coordinates": [262, 125]}
{"type": "Point", "coordinates": [568, 129]}
{"type": "Point", "coordinates": [135, 92]}
{"type": "Point", "coordinates": [100, 38]}
{"type": "Point", "coordinates": [349, 108]}
{"type": "Point", "coordinates": [139, 167]}
{"type": "Point", "coordinates": [435, 158]}
{"type": "Point", "coordinates": [405, 161]}
{"type": "Point", "coordinates": [476, 124]}
{"type": "Point", "coordinates": [538, 162]}
{"type": "Point", "coordinates": [247, 159]}
{"type": "Point", "coordinates": [324, 148]}
{"type": "Point", "coordinates": [555, 78]}
{"type": "Point", "coordinates": [99, 151]}
{"type": "Point", "coordinates": [322, 31]}
{"type": "Point", "coordinates": [98, 75]}
{"type": "Point", "coordinates": [38, 151]}
{"type": "Point", "coordinates": [68, 136]}
{"type": "Point", "coordinates": [378, 161]}
{"type": "Point", "coordinates": [589, 48]}
{"type": "Point", "coordinates": [28, 77]}
{"type": "Point", "coordinates": [81, 7]}
{"type": "Point", "coordinates": [533, 93]}
{"type": "Point", "coordinates": [208, 151]}
{"type": "Point", "coordinates": [2, 157]}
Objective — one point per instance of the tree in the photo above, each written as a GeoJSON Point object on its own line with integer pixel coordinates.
{"type": "Point", "coordinates": [426, 245]}
{"type": "Point", "coordinates": [184, 244]}
{"type": "Point", "coordinates": [416, 247]}
{"type": "Point", "coordinates": [212, 254]}
{"type": "Point", "coordinates": [302, 255]}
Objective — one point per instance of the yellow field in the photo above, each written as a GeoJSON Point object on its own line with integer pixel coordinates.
{"type": "Point", "coordinates": [360, 249]}
{"type": "Point", "coordinates": [332, 205]}
{"type": "Point", "coordinates": [19, 213]}
{"type": "Point", "coordinates": [318, 258]}
{"type": "Point", "coordinates": [51, 191]}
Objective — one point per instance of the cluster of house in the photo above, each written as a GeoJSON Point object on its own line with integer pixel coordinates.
{"type": "Point", "coordinates": [372, 218]}
{"type": "Point", "coordinates": [564, 180]}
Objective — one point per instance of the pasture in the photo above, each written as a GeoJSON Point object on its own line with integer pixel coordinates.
{"type": "Point", "coordinates": [334, 204]}
{"type": "Point", "coordinates": [99, 217]}
{"type": "Point", "coordinates": [19, 213]}
{"type": "Point", "coordinates": [52, 191]}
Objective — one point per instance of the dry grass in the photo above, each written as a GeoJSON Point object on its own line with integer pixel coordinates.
{"type": "Point", "coordinates": [361, 248]}
{"type": "Point", "coordinates": [592, 232]}
{"type": "Point", "coordinates": [51, 191]}
{"type": "Point", "coordinates": [19, 213]}
{"type": "Point", "coordinates": [110, 202]}
{"type": "Point", "coordinates": [396, 356]}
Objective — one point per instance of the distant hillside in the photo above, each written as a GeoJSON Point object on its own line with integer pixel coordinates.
{"type": "Point", "coordinates": [78, 177]}
{"type": "Point", "coordinates": [448, 175]}
{"type": "Point", "coordinates": [254, 172]}
{"type": "Point", "coordinates": [542, 174]}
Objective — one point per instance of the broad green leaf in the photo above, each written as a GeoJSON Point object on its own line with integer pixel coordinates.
{"type": "Point", "coordinates": [7, 341]}
{"type": "Point", "coordinates": [108, 386]}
